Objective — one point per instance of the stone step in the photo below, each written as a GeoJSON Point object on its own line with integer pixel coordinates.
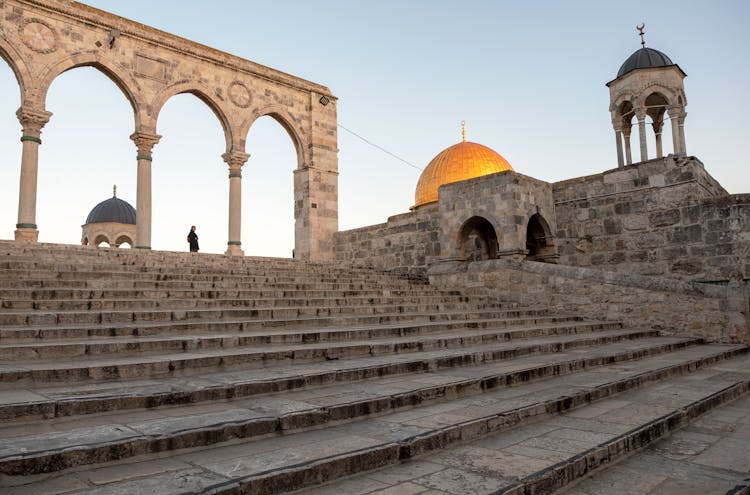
{"type": "Point", "coordinates": [10, 297]}
{"type": "Point", "coordinates": [403, 324]}
{"type": "Point", "coordinates": [163, 261]}
{"type": "Point", "coordinates": [25, 278]}
{"type": "Point", "coordinates": [81, 293]}
{"type": "Point", "coordinates": [213, 293]}
{"type": "Point", "coordinates": [544, 450]}
{"type": "Point", "coordinates": [484, 363]}
{"type": "Point", "coordinates": [59, 304]}
{"type": "Point", "coordinates": [144, 366]}
{"type": "Point", "coordinates": [537, 458]}
{"type": "Point", "coordinates": [73, 347]}
{"type": "Point", "coordinates": [189, 265]}
{"type": "Point", "coordinates": [248, 317]}
{"type": "Point", "coordinates": [21, 281]}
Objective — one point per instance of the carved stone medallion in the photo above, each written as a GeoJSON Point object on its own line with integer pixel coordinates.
{"type": "Point", "coordinates": [38, 36]}
{"type": "Point", "coordinates": [239, 94]}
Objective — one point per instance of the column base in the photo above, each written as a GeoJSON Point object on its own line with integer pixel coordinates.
{"type": "Point", "coordinates": [26, 234]}
{"type": "Point", "coordinates": [234, 250]}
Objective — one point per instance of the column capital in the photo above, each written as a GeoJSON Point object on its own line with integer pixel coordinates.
{"type": "Point", "coordinates": [676, 112]}
{"type": "Point", "coordinates": [235, 159]}
{"type": "Point", "coordinates": [145, 142]}
{"type": "Point", "coordinates": [640, 113]}
{"type": "Point", "coordinates": [32, 120]}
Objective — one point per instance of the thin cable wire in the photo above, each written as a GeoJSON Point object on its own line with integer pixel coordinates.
{"type": "Point", "coordinates": [380, 148]}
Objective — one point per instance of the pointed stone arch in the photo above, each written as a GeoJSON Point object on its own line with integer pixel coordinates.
{"type": "Point", "coordinates": [11, 56]}
{"type": "Point", "coordinates": [203, 93]}
{"type": "Point", "coordinates": [287, 121]}
{"type": "Point", "coordinates": [116, 73]}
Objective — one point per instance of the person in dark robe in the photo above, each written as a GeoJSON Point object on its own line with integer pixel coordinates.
{"type": "Point", "coordinates": [192, 238]}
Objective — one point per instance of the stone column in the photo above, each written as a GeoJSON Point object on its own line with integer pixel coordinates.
{"type": "Point", "coordinates": [618, 141]}
{"type": "Point", "coordinates": [144, 142]}
{"type": "Point", "coordinates": [640, 114]}
{"type": "Point", "coordinates": [235, 160]}
{"type": "Point", "coordinates": [682, 132]}
{"type": "Point", "coordinates": [32, 122]}
{"type": "Point", "coordinates": [628, 156]}
{"type": "Point", "coordinates": [674, 117]}
{"type": "Point", "coordinates": [657, 125]}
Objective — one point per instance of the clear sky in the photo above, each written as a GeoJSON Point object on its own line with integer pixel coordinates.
{"type": "Point", "coordinates": [528, 77]}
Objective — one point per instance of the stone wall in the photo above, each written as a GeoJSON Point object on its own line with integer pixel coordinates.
{"type": "Point", "coordinates": [507, 200]}
{"type": "Point", "coordinates": [711, 312]}
{"type": "Point", "coordinates": [661, 217]}
{"type": "Point", "coordinates": [407, 243]}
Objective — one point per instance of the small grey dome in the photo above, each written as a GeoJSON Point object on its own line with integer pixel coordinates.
{"type": "Point", "coordinates": [643, 59]}
{"type": "Point", "coordinates": [112, 210]}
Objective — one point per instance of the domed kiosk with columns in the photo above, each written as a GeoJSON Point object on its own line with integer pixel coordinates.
{"type": "Point", "coordinates": [111, 221]}
{"type": "Point", "coordinates": [648, 84]}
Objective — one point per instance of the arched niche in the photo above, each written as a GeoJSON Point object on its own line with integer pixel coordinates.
{"type": "Point", "coordinates": [540, 245]}
{"type": "Point", "coordinates": [477, 240]}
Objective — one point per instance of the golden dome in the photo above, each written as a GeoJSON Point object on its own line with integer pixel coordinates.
{"type": "Point", "coordinates": [459, 162]}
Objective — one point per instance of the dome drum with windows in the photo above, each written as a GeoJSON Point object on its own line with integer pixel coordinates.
{"type": "Point", "coordinates": [460, 162]}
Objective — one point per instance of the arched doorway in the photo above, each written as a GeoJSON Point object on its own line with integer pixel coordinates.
{"type": "Point", "coordinates": [477, 240]}
{"type": "Point", "coordinates": [268, 190]}
{"type": "Point", "coordinates": [86, 148]}
{"type": "Point", "coordinates": [539, 243]}
{"type": "Point", "coordinates": [189, 177]}
{"type": "Point", "coordinates": [10, 132]}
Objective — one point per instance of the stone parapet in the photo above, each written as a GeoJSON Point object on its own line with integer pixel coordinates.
{"type": "Point", "coordinates": [407, 243]}
{"type": "Point", "coordinates": [714, 313]}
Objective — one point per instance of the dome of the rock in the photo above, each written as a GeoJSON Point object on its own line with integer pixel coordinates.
{"type": "Point", "coordinates": [462, 161]}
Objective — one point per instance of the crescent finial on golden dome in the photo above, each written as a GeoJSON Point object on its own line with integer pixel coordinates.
{"type": "Point", "coordinates": [463, 131]}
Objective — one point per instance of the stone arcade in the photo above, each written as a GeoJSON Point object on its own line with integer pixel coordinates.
{"type": "Point", "coordinates": [41, 39]}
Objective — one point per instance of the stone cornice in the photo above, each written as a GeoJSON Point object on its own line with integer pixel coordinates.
{"type": "Point", "coordinates": [90, 15]}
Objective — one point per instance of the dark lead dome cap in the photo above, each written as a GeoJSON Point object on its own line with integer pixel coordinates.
{"type": "Point", "coordinates": [643, 59]}
{"type": "Point", "coordinates": [112, 210]}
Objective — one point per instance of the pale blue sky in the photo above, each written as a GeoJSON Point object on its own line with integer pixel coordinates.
{"type": "Point", "coordinates": [528, 77]}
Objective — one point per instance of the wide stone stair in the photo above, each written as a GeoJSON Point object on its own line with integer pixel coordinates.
{"type": "Point", "coordinates": [149, 372]}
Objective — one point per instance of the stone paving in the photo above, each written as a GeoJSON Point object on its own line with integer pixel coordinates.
{"type": "Point", "coordinates": [709, 456]}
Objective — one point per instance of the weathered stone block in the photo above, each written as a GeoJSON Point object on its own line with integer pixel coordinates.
{"type": "Point", "coordinates": [612, 226]}
{"type": "Point", "coordinates": [664, 218]}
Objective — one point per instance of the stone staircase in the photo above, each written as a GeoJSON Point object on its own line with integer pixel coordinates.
{"type": "Point", "coordinates": [150, 372]}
